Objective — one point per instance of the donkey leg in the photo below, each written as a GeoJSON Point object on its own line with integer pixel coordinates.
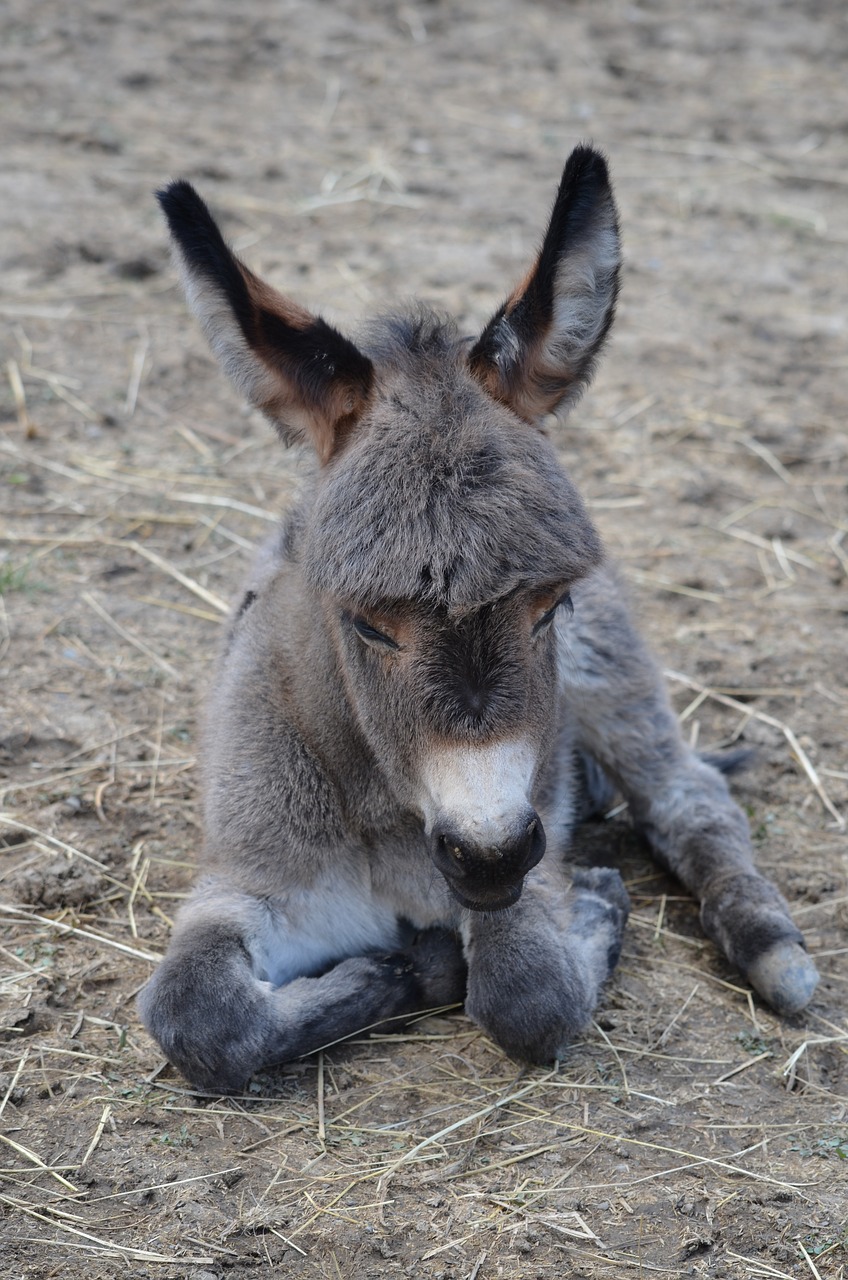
{"type": "Point", "coordinates": [679, 802]}
{"type": "Point", "coordinates": [702, 836]}
{"type": "Point", "coordinates": [535, 970]}
{"type": "Point", "coordinates": [219, 1020]}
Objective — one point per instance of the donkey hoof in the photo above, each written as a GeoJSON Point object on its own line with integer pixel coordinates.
{"type": "Point", "coordinates": [785, 976]}
{"type": "Point", "coordinates": [607, 883]}
{"type": "Point", "coordinates": [439, 965]}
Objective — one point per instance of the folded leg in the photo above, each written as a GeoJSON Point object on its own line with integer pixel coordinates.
{"type": "Point", "coordinates": [535, 971]}
{"type": "Point", "coordinates": [219, 1019]}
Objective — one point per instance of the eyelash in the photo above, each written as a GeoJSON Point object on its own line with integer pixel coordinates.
{"type": "Point", "coordinates": [366, 632]}
{"type": "Point", "coordinates": [370, 634]}
{"type": "Point", "coordinates": [564, 602]}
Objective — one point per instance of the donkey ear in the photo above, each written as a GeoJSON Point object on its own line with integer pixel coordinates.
{"type": "Point", "coordinates": [312, 382]}
{"type": "Point", "coordinates": [538, 352]}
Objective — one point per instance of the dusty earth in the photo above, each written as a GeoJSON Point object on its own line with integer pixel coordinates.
{"type": "Point", "coordinates": [357, 152]}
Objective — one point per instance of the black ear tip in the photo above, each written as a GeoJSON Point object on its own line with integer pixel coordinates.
{"type": "Point", "coordinates": [182, 206]}
{"type": "Point", "coordinates": [176, 192]}
{"type": "Point", "coordinates": [587, 164]}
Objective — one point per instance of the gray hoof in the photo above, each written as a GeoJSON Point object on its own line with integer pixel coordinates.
{"type": "Point", "coordinates": [785, 977]}
{"type": "Point", "coordinates": [607, 883]}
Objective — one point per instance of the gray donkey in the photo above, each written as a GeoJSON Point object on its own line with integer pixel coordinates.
{"type": "Point", "coordinates": [430, 677]}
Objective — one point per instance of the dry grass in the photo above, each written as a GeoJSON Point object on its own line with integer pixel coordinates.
{"type": "Point", "coordinates": [690, 1131]}
{"type": "Point", "coordinates": [429, 1132]}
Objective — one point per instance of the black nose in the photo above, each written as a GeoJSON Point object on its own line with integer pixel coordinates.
{"type": "Point", "coordinates": [489, 876]}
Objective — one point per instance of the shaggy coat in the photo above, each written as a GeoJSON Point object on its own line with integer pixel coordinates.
{"type": "Point", "coordinates": [429, 679]}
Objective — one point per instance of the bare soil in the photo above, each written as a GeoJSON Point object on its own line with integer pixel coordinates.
{"type": "Point", "coordinates": [357, 152]}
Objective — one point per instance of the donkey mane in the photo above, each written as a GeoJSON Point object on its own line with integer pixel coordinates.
{"type": "Point", "coordinates": [401, 338]}
{"type": "Point", "coordinates": [438, 501]}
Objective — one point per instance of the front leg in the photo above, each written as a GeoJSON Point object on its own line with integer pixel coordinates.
{"type": "Point", "coordinates": [535, 970]}
{"type": "Point", "coordinates": [219, 1017]}
{"type": "Point", "coordinates": [680, 803]}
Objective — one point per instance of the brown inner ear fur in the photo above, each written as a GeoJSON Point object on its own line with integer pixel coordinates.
{"type": "Point", "coordinates": [492, 377]}
{"type": "Point", "coordinates": [330, 404]}
{"type": "Point", "coordinates": [538, 351]}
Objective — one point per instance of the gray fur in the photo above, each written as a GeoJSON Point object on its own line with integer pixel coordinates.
{"type": "Point", "coordinates": [402, 715]}
{"type": "Point", "coordinates": [495, 511]}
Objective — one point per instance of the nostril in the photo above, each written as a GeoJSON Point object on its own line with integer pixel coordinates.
{"type": "Point", "coordinates": [451, 848]}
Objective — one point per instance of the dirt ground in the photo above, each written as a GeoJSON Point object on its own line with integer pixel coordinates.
{"type": "Point", "coordinates": [359, 152]}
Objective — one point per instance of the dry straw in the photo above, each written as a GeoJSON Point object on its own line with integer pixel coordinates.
{"type": "Point", "coordinates": [688, 1128]}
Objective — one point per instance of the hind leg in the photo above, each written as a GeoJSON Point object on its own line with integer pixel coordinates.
{"type": "Point", "coordinates": [679, 802]}
{"type": "Point", "coordinates": [701, 835]}
{"type": "Point", "coordinates": [535, 971]}
{"type": "Point", "coordinates": [219, 1019]}
{"type": "Point", "coordinates": [684, 809]}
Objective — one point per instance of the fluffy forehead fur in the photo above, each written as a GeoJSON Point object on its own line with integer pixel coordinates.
{"type": "Point", "coordinates": [442, 495]}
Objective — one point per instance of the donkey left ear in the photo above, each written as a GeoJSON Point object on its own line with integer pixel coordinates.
{"type": "Point", "coordinates": [538, 352]}
{"type": "Point", "coordinates": [310, 380]}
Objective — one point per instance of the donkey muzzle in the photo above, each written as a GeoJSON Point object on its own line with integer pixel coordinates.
{"type": "Point", "coordinates": [488, 876]}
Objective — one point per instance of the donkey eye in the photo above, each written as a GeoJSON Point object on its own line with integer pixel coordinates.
{"type": "Point", "coordinates": [547, 617]}
{"type": "Point", "coordinates": [371, 635]}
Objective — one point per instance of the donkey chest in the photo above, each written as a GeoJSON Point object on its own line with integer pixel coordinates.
{"type": "Point", "coordinates": [307, 930]}
{"type": "Point", "coordinates": [415, 892]}
{"type": "Point", "coordinates": [367, 907]}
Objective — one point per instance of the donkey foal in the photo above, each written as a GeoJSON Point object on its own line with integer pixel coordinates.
{"type": "Point", "coordinates": [430, 676]}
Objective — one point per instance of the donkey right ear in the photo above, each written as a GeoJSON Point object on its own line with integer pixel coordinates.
{"type": "Point", "coordinates": [538, 352]}
{"type": "Point", "coordinates": [312, 382]}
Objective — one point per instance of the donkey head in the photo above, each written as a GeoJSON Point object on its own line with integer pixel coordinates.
{"type": "Point", "coordinates": [441, 537]}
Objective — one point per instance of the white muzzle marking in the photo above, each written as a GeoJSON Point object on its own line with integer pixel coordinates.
{"type": "Point", "coordinates": [478, 790]}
